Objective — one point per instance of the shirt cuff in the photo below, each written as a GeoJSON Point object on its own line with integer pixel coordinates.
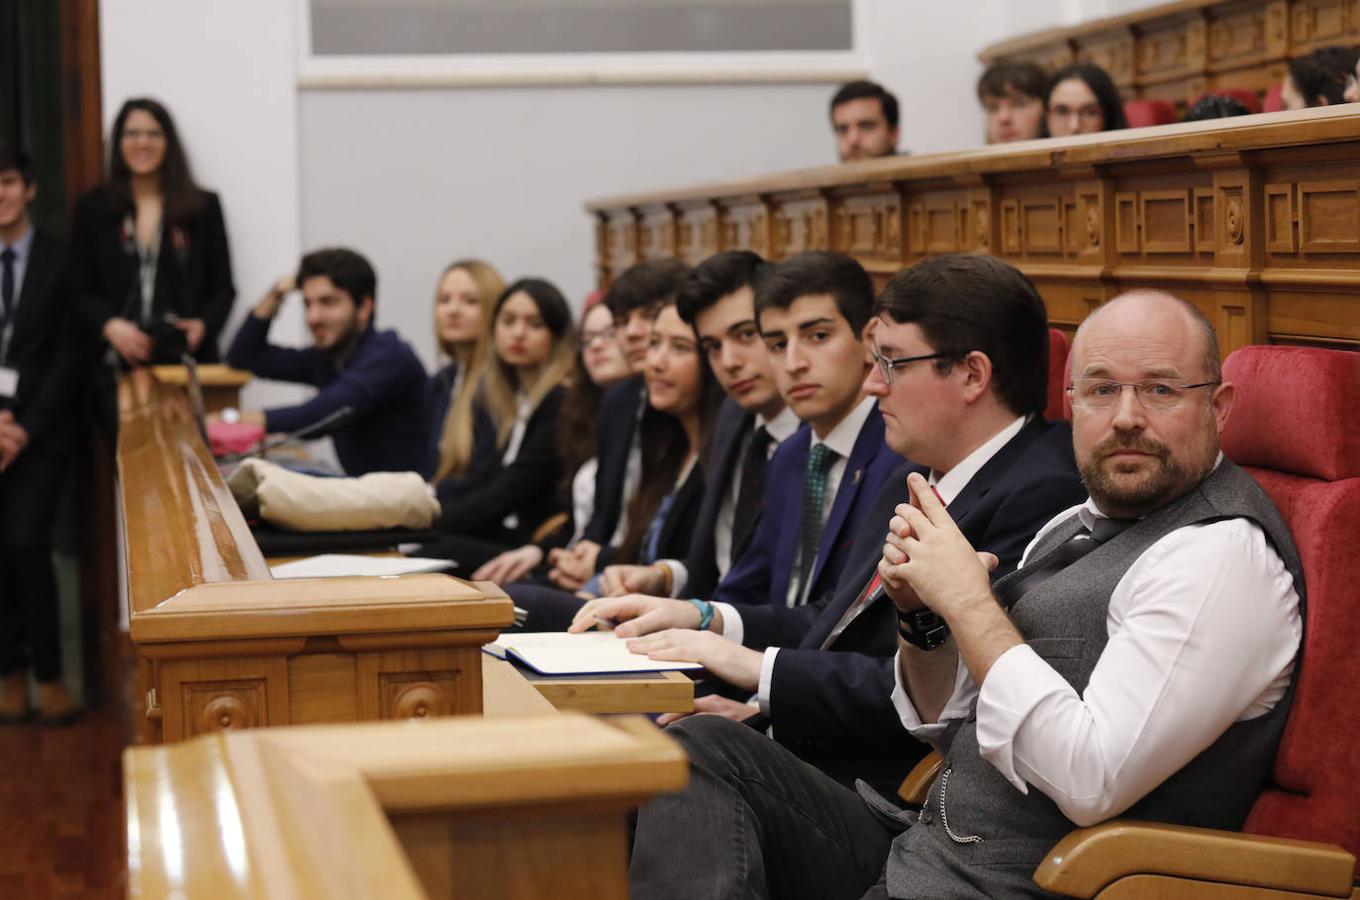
{"type": "Point", "coordinates": [956, 709]}
{"type": "Point", "coordinates": [679, 576]}
{"type": "Point", "coordinates": [1017, 682]}
{"type": "Point", "coordinates": [733, 629]}
{"type": "Point", "coordinates": [766, 677]}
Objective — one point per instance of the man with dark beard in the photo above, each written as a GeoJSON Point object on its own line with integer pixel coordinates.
{"type": "Point", "coordinates": [1139, 663]}
{"type": "Point", "coordinates": [369, 382]}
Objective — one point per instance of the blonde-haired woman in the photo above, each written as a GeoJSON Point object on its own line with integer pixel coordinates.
{"type": "Point", "coordinates": [508, 486]}
{"type": "Point", "coordinates": [463, 304]}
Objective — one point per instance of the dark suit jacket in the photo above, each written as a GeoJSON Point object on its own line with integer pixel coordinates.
{"type": "Point", "coordinates": [478, 501]}
{"type": "Point", "coordinates": [759, 580]}
{"type": "Point", "coordinates": [44, 351]}
{"type": "Point", "coordinates": [724, 455]}
{"type": "Point", "coordinates": [618, 421]}
{"type": "Point", "coordinates": [832, 707]}
{"type": "Point", "coordinates": [193, 277]}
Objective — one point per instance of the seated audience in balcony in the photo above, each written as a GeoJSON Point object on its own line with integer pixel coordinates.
{"type": "Point", "coordinates": [599, 366]}
{"type": "Point", "coordinates": [463, 304]}
{"type": "Point", "coordinates": [1216, 106]}
{"type": "Point", "coordinates": [864, 119]}
{"type": "Point", "coordinates": [1082, 99]}
{"type": "Point", "coordinates": [508, 486]}
{"type": "Point", "coordinates": [1012, 97]}
{"type": "Point", "coordinates": [1319, 79]}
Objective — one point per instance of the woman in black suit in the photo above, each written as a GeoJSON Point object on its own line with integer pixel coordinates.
{"type": "Point", "coordinates": [150, 269]}
{"type": "Point", "coordinates": [509, 486]}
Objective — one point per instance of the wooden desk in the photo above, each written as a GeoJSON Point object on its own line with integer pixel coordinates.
{"type": "Point", "coordinates": [467, 807]}
{"type": "Point", "coordinates": [661, 692]}
{"type": "Point", "coordinates": [221, 644]}
{"type": "Point", "coordinates": [221, 384]}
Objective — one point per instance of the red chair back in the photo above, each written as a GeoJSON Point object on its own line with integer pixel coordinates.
{"type": "Point", "coordinates": [1057, 377]}
{"type": "Point", "coordinates": [1295, 426]}
{"type": "Point", "coordinates": [1274, 101]}
{"type": "Point", "coordinates": [1241, 95]}
{"type": "Point", "coordinates": [1142, 113]}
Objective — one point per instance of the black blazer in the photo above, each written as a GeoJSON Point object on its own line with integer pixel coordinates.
{"type": "Point", "coordinates": [832, 706]}
{"type": "Point", "coordinates": [724, 455]}
{"type": "Point", "coordinates": [478, 501]}
{"type": "Point", "coordinates": [43, 350]}
{"type": "Point", "coordinates": [193, 277]}
{"type": "Point", "coordinates": [620, 409]}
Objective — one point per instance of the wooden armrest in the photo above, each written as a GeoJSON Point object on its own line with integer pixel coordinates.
{"type": "Point", "coordinates": [1090, 859]}
{"type": "Point", "coordinates": [917, 783]}
{"type": "Point", "coordinates": [549, 526]}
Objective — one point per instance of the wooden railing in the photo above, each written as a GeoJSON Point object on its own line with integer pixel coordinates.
{"type": "Point", "coordinates": [1255, 219]}
{"type": "Point", "coordinates": [1178, 51]}
{"type": "Point", "coordinates": [222, 645]}
{"type": "Point", "coordinates": [458, 808]}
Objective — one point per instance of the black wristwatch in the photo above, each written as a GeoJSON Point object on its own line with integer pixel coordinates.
{"type": "Point", "coordinates": [922, 628]}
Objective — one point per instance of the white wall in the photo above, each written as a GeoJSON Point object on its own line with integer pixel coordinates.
{"type": "Point", "coordinates": [416, 177]}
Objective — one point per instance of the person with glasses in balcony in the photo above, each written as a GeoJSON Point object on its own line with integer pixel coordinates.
{"type": "Point", "coordinates": [1082, 99]}
{"type": "Point", "coordinates": [1137, 664]}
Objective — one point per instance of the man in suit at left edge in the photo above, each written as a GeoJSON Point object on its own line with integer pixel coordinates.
{"type": "Point", "coordinates": [38, 363]}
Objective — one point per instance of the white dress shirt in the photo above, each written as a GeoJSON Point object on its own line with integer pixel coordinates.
{"type": "Point", "coordinates": [1203, 632]}
{"type": "Point", "coordinates": [841, 439]}
{"type": "Point", "coordinates": [780, 429]}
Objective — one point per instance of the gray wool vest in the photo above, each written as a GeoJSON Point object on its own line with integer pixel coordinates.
{"type": "Point", "coordinates": [1007, 834]}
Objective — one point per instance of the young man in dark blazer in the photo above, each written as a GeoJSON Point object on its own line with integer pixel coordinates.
{"type": "Point", "coordinates": [370, 381]}
{"type": "Point", "coordinates": [718, 302]}
{"type": "Point", "coordinates": [812, 310]}
{"type": "Point", "coordinates": [38, 361]}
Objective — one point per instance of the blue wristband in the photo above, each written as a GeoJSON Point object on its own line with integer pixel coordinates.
{"type": "Point", "coordinates": [705, 612]}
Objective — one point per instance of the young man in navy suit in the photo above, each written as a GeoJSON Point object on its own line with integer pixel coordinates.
{"type": "Point", "coordinates": [718, 302]}
{"type": "Point", "coordinates": [812, 310]}
{"type": "Point", "coordinates": [38, 371]}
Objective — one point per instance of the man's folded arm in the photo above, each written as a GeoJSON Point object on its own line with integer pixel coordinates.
{"type": "Point", "coordinates": [1206, 637]}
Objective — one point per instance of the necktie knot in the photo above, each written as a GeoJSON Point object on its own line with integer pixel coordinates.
{"type": "Point", "coordinates": [821, 459]}
{"type": "Point", "coordinates": [7, 256]}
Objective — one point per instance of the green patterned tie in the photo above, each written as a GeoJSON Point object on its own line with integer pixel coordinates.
{"type": "Point", "coordinates": [819, 463]}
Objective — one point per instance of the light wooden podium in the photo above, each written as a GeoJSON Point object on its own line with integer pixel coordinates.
{"type": "Point", "coordinates": [444, 808]}
{"type": "Point", "coordinates": [222, 645]}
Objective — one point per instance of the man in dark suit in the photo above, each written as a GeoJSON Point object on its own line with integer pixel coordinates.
{"type": "Point", "coordinates": [718, 302]}
{"type": "Point", "coordinates": [369, 382]}
{"type": "Point", "coordinates": [812, 310]}
{"type": "Point", "coordinates": [37, 376]}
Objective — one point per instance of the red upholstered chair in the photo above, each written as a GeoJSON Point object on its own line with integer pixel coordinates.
{"type": "Point", "coordinates": [1142, 113]}
{"type": "Point", "coordinates": [1057, 377]}
{"type": "Point", "coordinates": [1274, 101]}
{"type": "Point", "coordinates": [1241, 95]}
{"type": "Point", "coordinates": [1295, 427]}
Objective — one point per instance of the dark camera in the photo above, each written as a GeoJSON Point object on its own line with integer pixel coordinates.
{"type": "Point", "coordinates": [168, 342]}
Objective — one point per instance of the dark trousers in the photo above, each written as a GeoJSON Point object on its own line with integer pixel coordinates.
{"type": "Point", "coordinates": [30, 491]}
{"type": "Point", "coordinates": [754, 821]}
{"type": "Point", "coordinates": [549, 608]}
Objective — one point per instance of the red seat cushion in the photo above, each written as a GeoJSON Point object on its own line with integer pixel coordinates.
{"type": "Point", "coordinates": [1295, 426]}
{"type": "Point", "coordinates": [1142, 113]}
{"type": "Point", "coordinates": [1274, 101]}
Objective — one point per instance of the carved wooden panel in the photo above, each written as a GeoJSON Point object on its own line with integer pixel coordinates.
{"type": "Point", "coordinates": [801, 225]}
{"type": "Point", "coordinates": [1280, 218]}
{"type": "Point", "coordinates": [1010, 226]}
{"type": "Point", "coordinates": [1040, 225]}
{"type": "Point", "coordinates": [697, 233]}
{"type": "Point", "coordinates": [621, 240]}
{"type": "Point", "coordinates": [1329, 216]}
{"type": "Point", "coordinates": [1082, 221]}
{"type": "Point", "coordinates": [224, 705]}
{"type": "Point", "coordinates": [1319, 23]}
{"type": "Point", "coordinates": [657, 234]}
{"type": "Point", "coordinates": [1205, 220]}
{"type": "Point", "coordinates": [202, 696]}
{"type": "Point", "coordinates": [1113, 52]}
{"type": "Point", "coordinates": [1166, 221]}
{"type": "Point", "coordinates": [1237, 37]}
{"type": "Point", "coordinates": [404, 684]}
{"type": "Point", "coordinates": [869, 226]}
{"type": "Point", "coordinates": [938, 223]}
{"type": "Point", "coordinates": [747, 227]}
{"type": "Point", "coordinates": [977, 222]}
{"type": "Point", "coordinates": [1164, 52]}
{"type": "Point", "coordinates": [1126, 222]}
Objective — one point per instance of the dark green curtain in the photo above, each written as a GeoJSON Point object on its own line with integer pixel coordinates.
{"type": "Point", "coordinates": [31, 99]}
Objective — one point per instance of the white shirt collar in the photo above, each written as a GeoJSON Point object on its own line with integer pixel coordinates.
{"type": "Point", "coordinates": [956, 479]}
{"type": "Point", "coordinates": [21, 246]}
{"type": "Point", "coordinates": [843, 437]}
{"type": "Point", "coordinates": [782, 426]}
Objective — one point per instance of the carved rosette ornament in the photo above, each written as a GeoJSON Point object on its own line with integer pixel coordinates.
{"type": "Point", "coordinates": [1232, 219]}
{"type": "Point", "coordinates": [419, 701]}
{"type": "Point", "coordinates": [225, 712]}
